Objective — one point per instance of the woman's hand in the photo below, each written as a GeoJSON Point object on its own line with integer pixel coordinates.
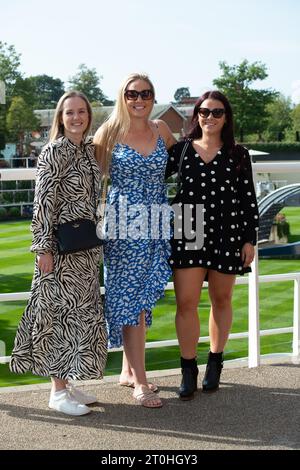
{"type": "Point", "coordinates": [45, 262]}
{"type": "Point", "coordinates": [247, 254]}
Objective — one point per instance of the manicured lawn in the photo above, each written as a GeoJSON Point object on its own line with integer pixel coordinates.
{"type": "Point", "coordinates": [293, 218]}
{"type": "Point", "coordinates": [276, 306]}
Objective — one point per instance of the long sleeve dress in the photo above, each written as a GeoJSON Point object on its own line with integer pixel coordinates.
{"type": "Point", "coordinates": [219, 199]}
{"type": "Point", "coordinates": [62, 332]}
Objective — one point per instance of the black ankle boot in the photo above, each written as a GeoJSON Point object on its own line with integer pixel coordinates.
{"type": "Point", "coordinates": [213, 371]}
{"type": "Point", "coordinates": [188, 385]}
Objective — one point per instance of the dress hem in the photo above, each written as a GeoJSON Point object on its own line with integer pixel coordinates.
{"type": "Point", "coordinates": [58, 376]}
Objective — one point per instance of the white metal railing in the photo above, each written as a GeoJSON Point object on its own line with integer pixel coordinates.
{"type": "Point", "coordinates": [17, 174]}
{"type": "Point", "coordinates": [20, 162]}
{"type": "Point", "coordinates": [253, 279]}
{"type": "Point", "coordinates": [253, 302]}
{"type": "Point", "coordinates": [239, 281]}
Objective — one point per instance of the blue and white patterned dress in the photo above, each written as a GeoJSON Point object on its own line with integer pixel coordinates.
{"type": "Point", "coordinates": [136, 268]}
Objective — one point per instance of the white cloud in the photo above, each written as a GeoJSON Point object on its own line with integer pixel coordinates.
{"type": "Point", "coordinates": [296, 91]}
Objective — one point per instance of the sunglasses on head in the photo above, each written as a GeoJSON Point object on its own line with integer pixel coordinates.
{"type": "Point", "coordinates": [132, 95]}
{"type": "Point", "coordinates": [216, 112]}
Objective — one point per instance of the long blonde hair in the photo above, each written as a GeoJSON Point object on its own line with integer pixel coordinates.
{"type": "Point", "coordinates": [115, 128]}
{"type": "Point", "coordinates": [57, 128]}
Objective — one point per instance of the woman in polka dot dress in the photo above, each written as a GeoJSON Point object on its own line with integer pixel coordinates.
{"type": "Point", "coordinates": [216, 223]}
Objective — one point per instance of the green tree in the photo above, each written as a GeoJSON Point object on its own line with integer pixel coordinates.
{"type": "Point", "coordinates": [9, 64]}
{"type": "Point", "coordinates": [183, 92]}
{"type": "Point", "coordinates": [88, 82]}
{"type": "Point", "coordinates": [249, 105]}
{"type": "Point", "coordinates": [47, 90]}
{"type": "Point", "coordinates": [280, 118]}
{"type": "Point", "coordinates": [20, 120]}
{"type": "Point", "coordinates": [9, 73]}
{"type": "Point", "coordinates": [296, 121]}
{"type": "Point", "coordinates": [25, 89]}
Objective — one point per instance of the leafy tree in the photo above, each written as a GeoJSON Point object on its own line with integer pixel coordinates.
{"type": "Point", "coordinates": [183, 92]}
{"type": "Point", "coordinates": [279, 119]}
{"type": "Point", "coordinates": [47, 90]}
{"type": "Point", "coordinates": [25, 89]}
{"type": "Point", "coordinates": [296, 121]}
{"type": "Point", "coordinates": [20, 119]}
{"type": "Point", "coordinates": [249, 104]}
{"type": "Point", "coordinates": [9, 64]}
{"type": "Point", "coordinates": [88, 82]}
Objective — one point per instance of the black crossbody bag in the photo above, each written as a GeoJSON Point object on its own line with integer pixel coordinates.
{"type": "Point", "coordinates": [80, 234]}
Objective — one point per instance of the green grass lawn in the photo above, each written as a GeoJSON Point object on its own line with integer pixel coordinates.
{"type": "Point", "coordinates": [293, 218]}
{"type": "Point", "coordinates": [276, 306]}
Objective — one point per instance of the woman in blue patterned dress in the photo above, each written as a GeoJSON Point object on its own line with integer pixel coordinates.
{"type": "Point", "coordinates": [133, 150]}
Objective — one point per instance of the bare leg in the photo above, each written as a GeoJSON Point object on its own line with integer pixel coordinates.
{"type": "Point", "coordinates": [188, 284]}
{"type": "Point", "coordinates": [58, 384]}
{"type": "Point", "coordinates": [126, 376]}
{"type": "Point", "coordinates": [134, 348]}
{"type": "Point", "coordinates": [126, 373]}
{"type": "Point", "coordinates": [220, 319]}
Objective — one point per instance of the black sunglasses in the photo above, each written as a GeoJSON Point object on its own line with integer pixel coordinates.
{"type": "Point", "coordinates": [132, 95]}
{"type": "Point", "coordinates": [216, 112]}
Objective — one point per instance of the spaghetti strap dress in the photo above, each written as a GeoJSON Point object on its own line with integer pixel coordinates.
{"type": "Point", "coordinates": [136, 252]}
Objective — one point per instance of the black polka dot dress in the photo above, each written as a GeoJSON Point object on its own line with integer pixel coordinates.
{"type": "Point", "coordinates": [216, 200]}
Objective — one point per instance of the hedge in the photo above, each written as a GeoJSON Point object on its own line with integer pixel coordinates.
{"type": "Point", "coordinates": [269, 147]}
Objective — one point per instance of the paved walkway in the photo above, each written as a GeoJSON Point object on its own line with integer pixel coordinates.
{"type": "Point", "coordinates": [254, 409]}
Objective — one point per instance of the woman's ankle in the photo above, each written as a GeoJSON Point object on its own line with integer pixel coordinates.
{"type": "Point", "coordinates": [58, 385]}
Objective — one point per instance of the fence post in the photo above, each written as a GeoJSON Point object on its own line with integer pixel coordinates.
{"type": "Point", "coordinates": [253, 307]}
{"type": "Point", "coordinates": [296, 322]}
{"type": "Point", "coordinates": [253, 315]}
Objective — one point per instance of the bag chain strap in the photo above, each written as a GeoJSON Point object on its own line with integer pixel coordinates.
{"type": "Point", "coordinates": [178, 181]}
{"type": "Point", "coordinates": [103, 192]}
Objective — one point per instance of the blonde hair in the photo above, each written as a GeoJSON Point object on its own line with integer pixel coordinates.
{"type": "Point", "coordinates": [115, 128]}
{"type": "Point", "coordinates": [57, 128]}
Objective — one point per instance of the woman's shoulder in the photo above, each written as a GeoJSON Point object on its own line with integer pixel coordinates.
{"type": "Point", "coordinates": [240, 150]}
{"type": "Point", "coordinates": [89, 141]}
{"type": "Point", "coordinates": [52, 153]}
{"type": "Point", "coordinates": [49, 149]}
{"type": "Point", "coordinates": [178, 147]}
{"type": "Point", "coordinates": [54, 145]}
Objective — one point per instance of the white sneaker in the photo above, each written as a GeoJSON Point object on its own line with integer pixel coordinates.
{"type": "Point", "coordinates": [62, 401]}
{"type": "Point", "coordinates": [81, 397]}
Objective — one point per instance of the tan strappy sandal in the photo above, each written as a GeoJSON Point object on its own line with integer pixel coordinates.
{"type": "Point", "coordinates": [146, 398]}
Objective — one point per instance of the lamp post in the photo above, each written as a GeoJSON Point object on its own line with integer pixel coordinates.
{"type": "Point", "coordinates": [2, 101]}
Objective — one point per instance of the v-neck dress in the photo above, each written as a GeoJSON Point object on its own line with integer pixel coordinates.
{"type": "Point", "coordinates": [136, 268]}
{"type": "Point", "coordinates": [223, 190]}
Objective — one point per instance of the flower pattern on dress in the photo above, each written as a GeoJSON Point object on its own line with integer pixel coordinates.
{"type": "Point", "coordinates": [136, 271]}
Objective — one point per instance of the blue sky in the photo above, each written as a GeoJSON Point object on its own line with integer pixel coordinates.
{"type": "Point", "coordinates": [177, 42]}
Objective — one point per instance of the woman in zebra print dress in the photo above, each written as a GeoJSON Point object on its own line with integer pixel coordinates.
{"type": "Point", "coordinates": [62, 333]}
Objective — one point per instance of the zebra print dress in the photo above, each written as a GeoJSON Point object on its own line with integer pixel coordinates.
{"type": "Point", "coordinates": [62, 332]}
